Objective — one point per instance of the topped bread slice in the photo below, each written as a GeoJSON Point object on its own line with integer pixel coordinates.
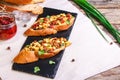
{"type": "Point", "coordinates": [33, 8]}
{"type": "Point", "coordinates": [41, 49]}
{"type": "Point", "coordinates": [50, 25]}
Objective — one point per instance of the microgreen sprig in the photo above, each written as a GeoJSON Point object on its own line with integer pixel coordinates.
{"type": "Point", "coordinates": [36, 69]}
{"type": "Point", "coordinates": [51, 62]}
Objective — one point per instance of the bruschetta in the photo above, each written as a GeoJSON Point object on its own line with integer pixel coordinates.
{"type": "Point", "coordinates": [42, 49]}
{"type": "Point", "coordinates": [50, 25]}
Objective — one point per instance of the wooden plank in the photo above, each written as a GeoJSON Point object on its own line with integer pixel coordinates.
{"type": "Point", "coordinates": [110, 9]}
{"type": "Point", "coordinates": [111, 15]}
{"type": "Point", "coordinates": [112, 74]}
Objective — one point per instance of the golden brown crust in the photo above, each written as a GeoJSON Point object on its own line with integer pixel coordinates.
{"type": "Point", "coordinates": [25, 57]}
{"type": "Point", "coordinates": [33, 8]}
{"type": "Point", "coordinates": [44, 32]}
{"type": "Point", "coordinates": [42, 49]}
{"type": "Point", "coordinates": [48, 31]}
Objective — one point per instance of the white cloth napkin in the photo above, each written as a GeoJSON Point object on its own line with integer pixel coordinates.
{"type": "Point", "coordinates": [91, 52]}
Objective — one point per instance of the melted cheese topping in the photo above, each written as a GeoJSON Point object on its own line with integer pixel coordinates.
{"type": "Point", "coordinates": [47, 45]}
{"type": "Point", "coordinates": [51, 21]}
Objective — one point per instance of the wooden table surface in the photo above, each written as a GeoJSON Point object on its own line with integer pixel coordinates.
{"type": "Point", "coordinates": [111, 10]}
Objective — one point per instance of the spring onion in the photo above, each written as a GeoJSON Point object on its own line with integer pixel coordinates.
{"type": "Point", "coordinates": [41, 52]}
{"type": "Point", "coordinates": [89, 8]}
{"type": "Point", "coordinates": [96, 26]}
{"type": "Point", "coordinates": [48, 16]}
{"type": "Point", "coordinates": [68, 22]}
{"type": "Point", "coordinates": [51, 62]}
{"type": "Point", "coordinates": [36, 69]}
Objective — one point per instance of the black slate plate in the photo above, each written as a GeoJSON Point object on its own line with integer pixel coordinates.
{"type": "Point", "coordinates": [46, 70]}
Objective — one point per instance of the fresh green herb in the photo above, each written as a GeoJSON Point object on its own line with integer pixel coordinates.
{"type": "Point", "coordinates": [89, 8]}
{"type": "Point", "coordinates": [63, 44]}
{"type": "Point", "coordinates": [36, 69]}
{"type": "Point", "coordinates": [96, 26]}
{"type": "Point", "coordinates": [41, 20]}
{"type": "Point", "coordinates": [47, 16]}
{"type": "Point", "coordinates": [27, 46]}
{"type": "Point", "coordinates": [68, 21]}
{"type": "Point", "coordinates": [40, 41]}
{"type": "Point", "coordinates": [41, 52]}
{"type": "Point", "coordinates": [51, 62]}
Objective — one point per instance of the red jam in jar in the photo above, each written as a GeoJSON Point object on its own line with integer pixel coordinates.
{"type": "Point", "coordinates": [8, 26]}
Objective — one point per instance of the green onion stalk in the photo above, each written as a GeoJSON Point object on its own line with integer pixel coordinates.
{"type": "Point", "coordinates": [96, 26]}
{"type": "Point", "coordinates": [89, 8]}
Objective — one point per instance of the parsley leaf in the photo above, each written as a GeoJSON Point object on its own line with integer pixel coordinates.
{"type": "Point", "coordinates": [68, 22]}
{"type": "Point", "coordinates": [51, 62]}
{"type": "Point", "coordinates": [36, 69]}
{"type": "Point", "coordinates": [41, 52]}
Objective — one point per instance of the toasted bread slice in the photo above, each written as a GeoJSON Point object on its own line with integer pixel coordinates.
{"type": "Point", "coordinates": [25, 56]}
{"type": "Point", "coordinates": [51, 47]}
{"type": "Point", "coordinates": [41, 49]}
{"type": "Point", "coordinates": [43, 32]}
{"type": "Point", "coordinates": [50, 25]}
{"type": "Point", "coordinates": [33, 8]}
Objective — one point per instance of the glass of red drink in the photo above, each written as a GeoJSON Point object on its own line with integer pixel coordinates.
{"type": "Point", "coordinates": [8, 26]}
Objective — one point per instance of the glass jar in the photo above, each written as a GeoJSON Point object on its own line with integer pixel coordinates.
{"type": "Point", "coordinates": [8, 26]}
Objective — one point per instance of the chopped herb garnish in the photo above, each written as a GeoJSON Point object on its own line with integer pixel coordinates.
{"type": "Point", "coordinates": [68, 22]}
{"type": "Point", "coordinates": [41, 52]}
{"type": "Point", "coordinates": [47, 16]}
{"type": "Point", "coordinates": [41, 20]}
{"type": "Point", "coordinates": [63, 44]}
{"type": "Point", "coordinates": [27, 46]}
{"type": "Point", "coordinates": [40, 41]}
{"type": "Point", "coordinates": [36, 69]}
{"type": "Point", "coordinates": [51, 62]}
